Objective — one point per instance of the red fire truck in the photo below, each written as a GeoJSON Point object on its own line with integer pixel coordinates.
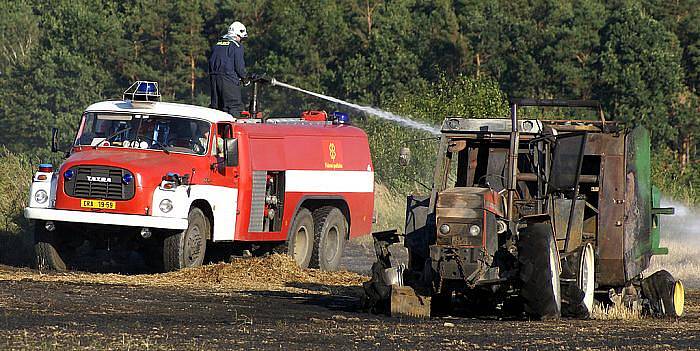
{"type": "Point", "coordinates": [165, 179]}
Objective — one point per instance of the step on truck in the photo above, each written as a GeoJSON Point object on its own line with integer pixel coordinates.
{"type": "Point", "coordinates": [527, 216]}
{"type": "Point", "coordinates": [163, 180]}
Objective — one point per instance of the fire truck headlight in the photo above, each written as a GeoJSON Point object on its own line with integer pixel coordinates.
{"type": "Point", "coordinates": [474, 230]}
{"type": "Point", "coordinates": [69, 174]}
{"type": "Point", "coordinates": [41, 196]}
{"type": "Point", "coordinates": [165, 206]}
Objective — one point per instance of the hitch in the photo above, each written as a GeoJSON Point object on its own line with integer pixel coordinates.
{"type": "Point", "coordinates": [386, 292]}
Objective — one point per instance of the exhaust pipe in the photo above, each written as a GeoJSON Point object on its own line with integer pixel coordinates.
{"type": "Point", "coordinates": [50, 226]}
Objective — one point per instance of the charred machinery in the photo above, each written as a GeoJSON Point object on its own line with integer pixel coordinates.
{"type": "Point", "coordinates": [534, 216]}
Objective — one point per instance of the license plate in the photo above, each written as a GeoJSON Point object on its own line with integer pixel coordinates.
{"type": "Point", "coordinates": [103, 204]}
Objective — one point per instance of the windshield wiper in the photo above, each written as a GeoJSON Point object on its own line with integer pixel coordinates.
{"type": "Point", "coordinates": [157, 143]}
{"type": "Point", "coordinates": [112, 136]}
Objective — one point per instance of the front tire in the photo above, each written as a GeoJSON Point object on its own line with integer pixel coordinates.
{"type": "Point", "coordinates": [539, 272]}
{"type": "Point", "coordinates": [331, 233]}
{"type": "Point", "coordinates": [46, 249]}
{"type": "Point", "coordinates": [187, 248]}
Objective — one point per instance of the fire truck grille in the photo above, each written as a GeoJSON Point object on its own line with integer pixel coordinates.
{"type": "Point", "coordinates": [99, 182]}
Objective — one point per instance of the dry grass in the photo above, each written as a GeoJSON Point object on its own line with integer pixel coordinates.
{"type": "Point", "coordinates": [614, 312]}
{"type": "Point", "coordinates": [271, 273]}
{"type": "Point", "coordinates": [390, 207]}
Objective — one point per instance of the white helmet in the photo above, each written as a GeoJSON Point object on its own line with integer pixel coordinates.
{"type": "Point", "coordinates": [237, 28]}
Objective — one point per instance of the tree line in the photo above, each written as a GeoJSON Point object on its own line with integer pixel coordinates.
{"type": "Point", "coordinates": [640, 58]}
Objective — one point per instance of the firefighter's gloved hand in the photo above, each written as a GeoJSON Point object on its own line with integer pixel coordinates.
{"type": "Point", "coordinates": [254, 77]}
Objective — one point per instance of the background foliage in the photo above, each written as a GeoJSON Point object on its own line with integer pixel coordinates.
{"type": "Point", "coordinates": [422, 58]}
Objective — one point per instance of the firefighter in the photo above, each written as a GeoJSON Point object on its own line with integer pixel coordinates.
{"type": "Point", "coordinates": [227, 70]}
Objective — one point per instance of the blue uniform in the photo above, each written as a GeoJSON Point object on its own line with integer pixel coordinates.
{"type": "Point", "coordinates": [226, 70]}
{"type": "Point", "coordinates": [227, 59]}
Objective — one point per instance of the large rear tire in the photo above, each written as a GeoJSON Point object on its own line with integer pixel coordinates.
{"type": "Point", "coordinates": [539, 272]}
{"type": "Point", "coordinates": [300, 241]}
{"type": "Point", "coordinates": [186, 249]}
{"type": "Point", "coordinates": [331, 229]}
{"type": "Point", "coordinates": [46, 249]}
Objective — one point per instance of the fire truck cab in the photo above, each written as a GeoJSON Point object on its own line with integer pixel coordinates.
{"type": "Point", "coordinates": [164, 179]}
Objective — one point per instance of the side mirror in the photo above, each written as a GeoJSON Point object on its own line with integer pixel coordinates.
{"type": "Point", "coordinates": [54, 139]}
{"type": "Point", "coordinates": [231, 152]}
{"type": "Point", "coordinates": [404, 156]}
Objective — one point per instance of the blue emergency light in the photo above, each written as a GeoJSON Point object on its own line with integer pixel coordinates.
{"type": "Point", "coordinates": [142, 91]}
{"type": "Point", "coordinates": [340, 117]}
{"type": "Point", "coordinates": [146, 88]}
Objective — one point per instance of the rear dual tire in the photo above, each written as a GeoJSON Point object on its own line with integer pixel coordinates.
{"type": "Point", "coordinates": [317, 240]}
{"type": "Point", "coordinates": [300, 241]}
{"type": "Point", "coordinates": [331, 229]}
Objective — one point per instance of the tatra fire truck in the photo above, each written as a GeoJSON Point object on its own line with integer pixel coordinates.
{"type": "Point", "coordinates": [165, 179]}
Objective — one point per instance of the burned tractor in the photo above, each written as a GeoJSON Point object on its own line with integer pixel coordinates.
{"type": "Point", "coordinates": [534, 216]}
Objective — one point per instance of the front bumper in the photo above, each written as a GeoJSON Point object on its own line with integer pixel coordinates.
{"type": "Point", "coordinates": [50, 214]}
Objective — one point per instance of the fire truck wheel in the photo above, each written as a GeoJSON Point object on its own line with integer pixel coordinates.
{"type": "Point", "coordinates": [46, 256]}
{"type": "Point", "coordinates": [187, 248]}
{"type": "Point", "coordinates": [331, 232]}
{"type": "Point", "coordinates": [300, 240]}
{"type": "Point", "coordinates": [539, 271]}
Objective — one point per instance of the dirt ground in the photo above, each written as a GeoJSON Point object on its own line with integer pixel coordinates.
{"type": "Point", "coordinates": [226, 307]}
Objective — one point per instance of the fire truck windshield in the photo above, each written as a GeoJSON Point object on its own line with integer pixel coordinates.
{"type": "Point", "coordinates": [139, 131]}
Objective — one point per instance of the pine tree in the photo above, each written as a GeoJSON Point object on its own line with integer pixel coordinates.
{"type": "Point", "coordinates": [639, 71]}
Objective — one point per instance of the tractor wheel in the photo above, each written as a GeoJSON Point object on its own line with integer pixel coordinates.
{"type": "Point", "coordinates": [578, 282]}
{"type": "Point", "coordinates": [585, 278]}
{"type": "Point", "coordinates": [187, 248]}
{"type": "Point", "coordinates": [331, 230]}
{"type": "Point", "coordinates": [46, 249]}
{"type": "Point", "coordinates": [539, 272]}
{"type": "Point", "coordinates": [666, 295]}
{"type": "Point", "coordinates": [300, 241]}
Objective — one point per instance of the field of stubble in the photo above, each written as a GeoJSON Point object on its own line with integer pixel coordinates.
{"type": "Point", "coordinates": [268, 303]}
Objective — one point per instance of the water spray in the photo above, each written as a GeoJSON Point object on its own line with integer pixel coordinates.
{"type": "Point", "coordinates": [406, 122]}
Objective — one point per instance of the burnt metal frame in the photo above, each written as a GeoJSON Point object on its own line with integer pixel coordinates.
{"type": "Point", "coordinates": [576, 184]}
{"type": "Point", "coordinates": [515, 143]}
{"type": "Point", "coordinates": [440, 177]}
